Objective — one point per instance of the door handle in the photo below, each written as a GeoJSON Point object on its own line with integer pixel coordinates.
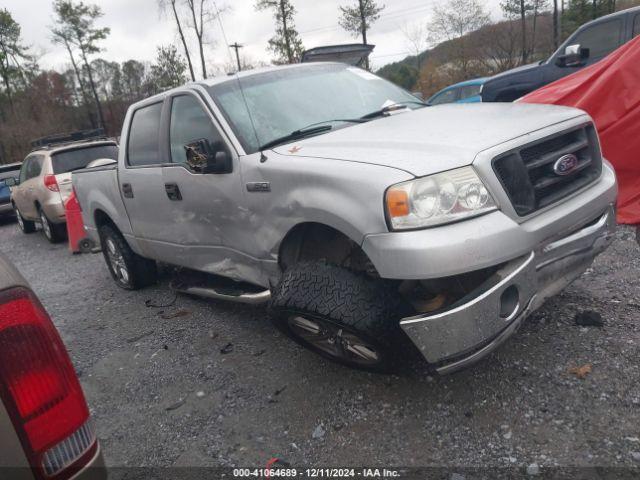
{"type": "Point", "coordinates": [127, 190]}
{"type": "Point", "coordinates": [173, 191]}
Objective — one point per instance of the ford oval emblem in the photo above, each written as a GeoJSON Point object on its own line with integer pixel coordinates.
{"type": "Point", "coordinates": [565, 164]}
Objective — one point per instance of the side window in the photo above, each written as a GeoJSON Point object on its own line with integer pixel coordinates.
{"type": "Point", "coordinates": [144, 136]}
{"type": "Point", "coordinates": [636, 25]}
{"type": "Point", "coordinates": [445, 97]}
{"type": "Point", "coordinates": [600, 39]}
{"type": "Point", "coordinates": [189, 123]}
{"type": "Point", "coordinates": [31, 167]}
{"type": "Point", "coordinates": [24, 169]}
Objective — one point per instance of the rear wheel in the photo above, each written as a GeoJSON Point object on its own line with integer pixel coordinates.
{"type": "Point", "coordinates": [55, 233]}
{"type": "Point", "coordinates": [342, 315]}
{"type": "Point", "coordinates": [129, 270]}
{"type": "Point", "coordinates": [26, 226]}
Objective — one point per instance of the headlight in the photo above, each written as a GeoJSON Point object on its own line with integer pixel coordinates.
{"type": "Point", "coordinates": [442, 198]}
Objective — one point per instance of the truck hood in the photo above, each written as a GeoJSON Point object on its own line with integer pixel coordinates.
{"type": "Point", "coordinates": [432, 139]}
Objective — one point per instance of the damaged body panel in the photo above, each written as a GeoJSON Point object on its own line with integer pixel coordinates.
{"type": "Point", "coordinates": [348, 184]}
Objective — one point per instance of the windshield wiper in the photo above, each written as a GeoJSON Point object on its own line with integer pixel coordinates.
{"type": "Point", "coordinates": [312, 129]}
{"type": "Point", "coordinates": [391, 108]}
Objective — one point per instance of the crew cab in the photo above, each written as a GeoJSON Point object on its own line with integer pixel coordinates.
{"type": "Point", "coordinates": [362, 216]}
{"type": "Point", "coordinates": [589, 44]}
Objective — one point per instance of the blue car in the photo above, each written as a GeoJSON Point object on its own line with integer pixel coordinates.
{"type": "Point", "coordinates": [463, 92]}
{"type": "Point", "coordinates": [7, 171]}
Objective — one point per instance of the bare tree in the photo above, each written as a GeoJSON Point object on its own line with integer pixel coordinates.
{"type": "Point", "coordinates": [357, 19]}
{"type": "Point", "coordinates": [416, 37]}
{"type": "Point", "coordinates": [201, 15]}
{"type": "Point", "coordinates": [164, 4]}
{"type": "Point", "coordinates": [76, 23]}
{"type": "Point", "coordinates": [451, 23]}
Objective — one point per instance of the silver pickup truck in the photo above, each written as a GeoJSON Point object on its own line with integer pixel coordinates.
{"type": "Point", "coordinates": [363, 217]}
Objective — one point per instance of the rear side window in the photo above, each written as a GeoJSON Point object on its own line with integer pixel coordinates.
{"type": "Point", "coordinates": [636, 25]}
{"type": "Point", "coordinates": [143, 147]}
{"type": "Point", "coordinates": [469, 91]}
{"type": "Point", "coordinates": [600, 39]}
{"type": "Point", "coordinates": [71, 160]}
{"type": "Point", "coordinates": [32, 168]}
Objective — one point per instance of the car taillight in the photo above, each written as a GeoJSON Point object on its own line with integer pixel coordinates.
{"type": "Point", "coordinates": [40, 389]}
{"type": "Point", "coordinates": [51, 183]}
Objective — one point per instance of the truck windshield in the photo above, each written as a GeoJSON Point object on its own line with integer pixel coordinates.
{"type": "Point", "coordinates": [266, 106]}
{"type": "Point", "coordinates": [70, 160]}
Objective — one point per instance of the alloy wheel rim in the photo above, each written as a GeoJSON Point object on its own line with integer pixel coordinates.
{"type": "Point", "coordinates": [116, 260]}
{"type": "Point", "coordinates": [334, 340]}
{"type": "Point", "coordinates": [45, 225]}
{"type": "Point", "coordinates": [20, 221]}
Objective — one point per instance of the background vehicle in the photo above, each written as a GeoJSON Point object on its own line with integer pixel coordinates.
{"type": "Point", "coordinates": [44, 419]}
{"type": "Point", "coordinates": [366, 217]}
{"type": "Point", "coordinates": [7, 171]}
{"type": "Point", "coordinates": [589, 44]}
{"type": "Point", "coordinates": [463, 92]}
{"type": "Point", "coordinates": [44, 183]}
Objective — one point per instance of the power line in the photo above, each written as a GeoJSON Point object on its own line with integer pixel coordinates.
{"type": "Point", "coordinates": [224, 35]}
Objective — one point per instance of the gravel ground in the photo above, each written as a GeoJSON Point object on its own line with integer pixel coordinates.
{"type": "Point", "coordinates": [163, 393]}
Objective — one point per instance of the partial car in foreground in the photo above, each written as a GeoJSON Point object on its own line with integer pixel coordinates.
{"type": "Point", "coordinates": [44, 184]}
{"type": "Point", "coordinates": [589, 44]}
{"type": "Point", "coordinates": [10, 171]}
{"type": "Point", "coordinates": [463, 92]}
{"type": "Point", "coordinates": [362, 215]}
{"type": "Point", "coordinates": [45, 427]}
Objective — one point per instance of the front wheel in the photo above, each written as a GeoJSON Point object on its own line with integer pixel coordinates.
{"type": "Point", "coordinates": [342, 315]}
{"type": "Point", "coordinates": [128, 269]}
{"type": "Point", "coordinates": [26, 226]}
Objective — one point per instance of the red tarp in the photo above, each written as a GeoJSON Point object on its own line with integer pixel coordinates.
{"type": "Point", "coordinates": [609, 91]}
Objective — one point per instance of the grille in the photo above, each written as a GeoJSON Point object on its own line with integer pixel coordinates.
{"type": "Point", "coordinates": [528, 174]}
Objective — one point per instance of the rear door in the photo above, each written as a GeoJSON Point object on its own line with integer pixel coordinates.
{"type": "Point", "coordinates": [140, 177]}
{"type": "Point", "coordinates": [66, 161]}
{"type": "Point", "coordinates": [24, 195]}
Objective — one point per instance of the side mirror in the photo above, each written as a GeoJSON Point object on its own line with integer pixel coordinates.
{"type": "Point", "coordinates": [574, 56]}
{"type": "Point", "coordinates": [11, 182]}
{"type": "Point", "coordinates": [202, 157]}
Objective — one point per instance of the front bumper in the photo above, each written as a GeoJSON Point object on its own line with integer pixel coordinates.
{"type": "Point", "coordinates": [478, 323]}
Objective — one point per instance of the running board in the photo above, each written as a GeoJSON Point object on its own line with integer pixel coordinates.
{"type": "Point", "coordinates": [252, 298]}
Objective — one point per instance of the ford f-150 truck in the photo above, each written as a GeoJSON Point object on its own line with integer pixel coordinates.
{"type": "Point", "coordinates": [362, 216]}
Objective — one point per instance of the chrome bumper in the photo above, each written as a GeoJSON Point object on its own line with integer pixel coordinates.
{"type": "Point", "coordinates": [477, 324]}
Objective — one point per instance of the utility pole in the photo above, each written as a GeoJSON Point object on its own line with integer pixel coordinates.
{"type": "Point", "coordinates": [556, 24]}
{"type": "Point", "coordinates": [236, 46]}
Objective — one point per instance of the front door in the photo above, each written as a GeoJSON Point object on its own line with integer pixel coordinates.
{"type": "Point", "coordinates": [210, 224]}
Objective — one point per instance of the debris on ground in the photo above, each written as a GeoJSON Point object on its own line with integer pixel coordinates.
{"type": "Point", "coordinates": [280, 390]}
{"type": "Point", "coordinates": [589, 318]}
{"type": "Point", "coordinates": [213, 335]}
{"type": "Point", "coordinates": [635, 456]}
{"type": "Point", "coordinates": [179, 313]}
{"type": "Point", "coordinates": [200, 394]}
{"type": "Point", "coordinates": [318, 432]}
{"type": "Point", "coordinates": [581, 372]}
{"type": "Point", "coordinates": [228, 348]}
{"type": "Point", "coordinates": [176, 405]}
{"type": "Point", "coordinates": [139, 337]}
{"type": "Point", "coordinates": [149, 303]}
{"type": "Point", "coordinates": [533, 469]}
{"type": "Point", "coordinates": [259, 352]}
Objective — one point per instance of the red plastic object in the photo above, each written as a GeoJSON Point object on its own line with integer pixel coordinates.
{"type": "Point", "coordinates": [609, 91]}
{"type": "Point", "coordinates": [75, 224]}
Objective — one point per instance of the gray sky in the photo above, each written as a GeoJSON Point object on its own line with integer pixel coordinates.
{"type": "Point", "coordinates": [138, 27]}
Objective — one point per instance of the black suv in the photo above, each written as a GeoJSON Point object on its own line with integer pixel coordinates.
{"type": "Point", "coordinates": [590, 43]}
